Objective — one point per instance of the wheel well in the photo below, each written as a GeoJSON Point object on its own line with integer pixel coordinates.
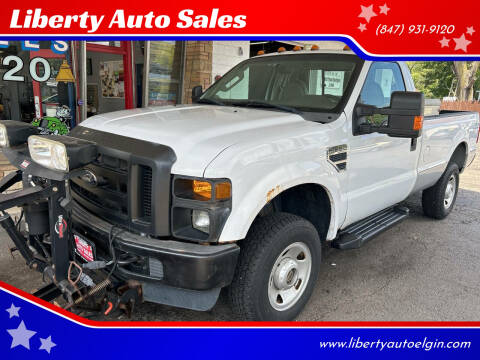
{"type": "Point", "coordinates": [459, 156]}
{"type": "Point", "coordinates": [310, 201]}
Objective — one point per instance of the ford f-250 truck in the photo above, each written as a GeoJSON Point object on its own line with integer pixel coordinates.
{"type": "Point", "coordinates": [240, 189]}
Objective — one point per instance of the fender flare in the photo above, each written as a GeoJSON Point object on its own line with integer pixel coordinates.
{"type": "Point", "coordinates": [460, 138]}
{"type": "Point", "coordinates": [240, 221]}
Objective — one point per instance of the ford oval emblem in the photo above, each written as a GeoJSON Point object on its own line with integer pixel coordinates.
{"type": "Point", "coordinates": [90, 178]}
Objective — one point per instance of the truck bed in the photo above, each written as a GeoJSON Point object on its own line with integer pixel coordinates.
{"type": "Point", "coordinates": [441, 135]}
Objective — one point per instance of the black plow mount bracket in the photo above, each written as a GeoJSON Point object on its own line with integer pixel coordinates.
{"type": "Point", "coordinates": [47, 244]}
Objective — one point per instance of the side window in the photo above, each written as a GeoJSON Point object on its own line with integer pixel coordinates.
{"type": "Point", "coordinates": [383, 78]}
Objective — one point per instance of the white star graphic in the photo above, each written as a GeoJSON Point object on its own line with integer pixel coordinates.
{"type": "Point", "coordinates": [444, 42]}
{"type": "Point", "coordinates": [21, 336]}
{"type": "Point", "coordinates": [367, 12]}
{"type": "Point", "coordinates": [461, 43]}
{"type": "Point", "coordinates": [47, 344]}
{"type": "Point", "coordinates": [362, 27]}
{"type": "Point", "coordinates": [13, 311]}
{"type": "Point", "coordinates": [384, 9]}
{"type": "Point", "coordinates": [470, 30]}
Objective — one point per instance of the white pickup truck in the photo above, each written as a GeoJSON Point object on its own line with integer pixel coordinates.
{"type": "Point", "coordinates": [240, 189]}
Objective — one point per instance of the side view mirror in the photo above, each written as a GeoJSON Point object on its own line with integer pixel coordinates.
{"type": "Point", "coordinates": [405, 116]}
{"type": "Point", "coordinates": [197, 91]}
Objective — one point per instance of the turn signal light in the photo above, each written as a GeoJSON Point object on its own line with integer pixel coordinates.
{"type": "Point", "coordinates": [418, 123]}
{"type": "Point", "coordinates": [314, 47]}
{"type": "Point", "coordinates": [202, 188]}
{"type": "Point", "coordinates": [346, 48]}
{"type": "Point", "coordinates": [297, 48]}
{"type": "Point", "coordinates": [281, 49]}
{"type": "Point", "coordinates": [223, 191]}
{"type": "Point", "coordinates": [261, 52]}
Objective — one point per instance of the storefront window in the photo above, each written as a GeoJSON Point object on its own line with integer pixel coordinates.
{"type": "Point", "coordinates": [165, 72]}
{"type": "Point", "coordinates": [29, 90]}
{"type": "Point", "coordinates": [16, 89]}
{"type": "Point", "coordinates": [105, 82]}
{"type": "Point", "coordinates": [53, 93]}
{"type": "Point", "coordinates": [109, 74]}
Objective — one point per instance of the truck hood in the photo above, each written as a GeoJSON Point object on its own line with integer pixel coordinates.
{"type": "Point", "coordinates": [197, 133]}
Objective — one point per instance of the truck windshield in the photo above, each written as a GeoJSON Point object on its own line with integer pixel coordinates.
{"type": "Point", "coordinates": [294, 83]}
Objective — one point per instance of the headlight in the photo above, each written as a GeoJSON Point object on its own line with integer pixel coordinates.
{"type": "Point", "coordinates": [49, 153]}
{"type": "Point", "coordinates": [63, 153]}
{"type": "Point", "coordinates": [13, 133]}
{"type": "Point", "coordinates": [201, 220]}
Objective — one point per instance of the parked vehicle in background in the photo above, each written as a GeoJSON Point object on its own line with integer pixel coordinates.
{"type": "Point", "coordinates": [239, 190]}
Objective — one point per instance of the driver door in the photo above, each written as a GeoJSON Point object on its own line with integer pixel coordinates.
{"type": "Point", "coordinates": [381, 169]}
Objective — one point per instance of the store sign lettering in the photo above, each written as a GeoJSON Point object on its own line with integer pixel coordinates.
{"type": "Point", "coordinates": [187, 18]}
{"type": "Point", "coordinates": [57, 46]}
{"type": "Point", "coordinates": [16, 64]}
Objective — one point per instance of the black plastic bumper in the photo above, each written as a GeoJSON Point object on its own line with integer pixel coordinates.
{"type": "Point", "coordinates": [175, 263]}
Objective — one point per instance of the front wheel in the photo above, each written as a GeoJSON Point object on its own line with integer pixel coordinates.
{"type": "Point", "coordinates": [277, 269]}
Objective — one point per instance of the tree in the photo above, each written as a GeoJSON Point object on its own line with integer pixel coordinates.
{"type": "Point", "coordinates": [433, 78]}
{"type": "Point", "coordinates": [466, 73]}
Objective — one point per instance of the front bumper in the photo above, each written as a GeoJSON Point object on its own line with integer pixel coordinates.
{"type": "Point", "coordinates": [170, 262]}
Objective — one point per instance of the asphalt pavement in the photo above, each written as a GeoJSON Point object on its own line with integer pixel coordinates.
{"type": "Point", "coordinates": [422, 269]}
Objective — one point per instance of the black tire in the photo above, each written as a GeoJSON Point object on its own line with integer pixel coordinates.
{"type": "Point", "coordinates": [266, 241]}
{"type": "Point", "coordinates": [433, 198]}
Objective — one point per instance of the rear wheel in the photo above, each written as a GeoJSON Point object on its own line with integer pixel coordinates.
{"type": "Point", "coordinates": [439, 200]}
{"type": "Point", "coordinates": [277, 269]}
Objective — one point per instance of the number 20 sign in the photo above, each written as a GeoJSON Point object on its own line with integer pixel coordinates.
{"type": "Point", "coordinates": [17, 63]}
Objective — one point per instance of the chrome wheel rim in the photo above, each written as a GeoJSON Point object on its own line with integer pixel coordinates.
{"type": "Point", "coordinates": [289, 276]}
{"type": "Point", "coordinates": [450, 192]}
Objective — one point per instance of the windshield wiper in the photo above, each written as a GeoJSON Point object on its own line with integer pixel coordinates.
{"type": "Point", "coordinates": [262, 104]}
{"type": "Point", "coordinates": [210, 101]}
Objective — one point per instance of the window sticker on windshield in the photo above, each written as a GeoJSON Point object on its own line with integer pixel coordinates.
{"type": "Point", "coordinates": [334, 82]}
